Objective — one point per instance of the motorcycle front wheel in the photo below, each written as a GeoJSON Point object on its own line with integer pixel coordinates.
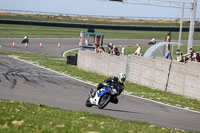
{"type": "Point", "coordinates": [104, 100]}
{"type": "Point", "coordinates": [88, 103]}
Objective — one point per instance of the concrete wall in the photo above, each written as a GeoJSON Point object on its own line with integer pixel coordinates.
{"type": "Point", "coordinates": [184, 79]}
{"type": "Point", "coordinates": [162, 74]}
{"type": "Point", "coordinates": [149, 72]}
{"type": "Point", "coordinates": [103, 63]}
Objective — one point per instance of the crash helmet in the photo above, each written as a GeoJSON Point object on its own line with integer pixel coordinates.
{"type": "Point", "coordinates": [122, 78]}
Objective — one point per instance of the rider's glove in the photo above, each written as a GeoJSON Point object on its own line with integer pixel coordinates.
{"type": "Point", "coordinates": [105, 84]}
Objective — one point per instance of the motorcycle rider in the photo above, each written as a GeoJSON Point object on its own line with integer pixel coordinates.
{"type": "Point", "coordinates": [25, 39]}
{"type": "Point", "coordinates": [116, 82]}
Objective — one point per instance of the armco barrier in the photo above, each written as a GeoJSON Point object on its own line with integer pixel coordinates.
{"type": "Point", "coordinates": [162, 74]}
{"type": "Point", "coordinates": [96, 26]}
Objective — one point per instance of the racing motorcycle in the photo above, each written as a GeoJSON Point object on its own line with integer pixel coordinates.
{"type": "Point", "coordinates": [25, 40]}
{"type": "Point", "coordinates": [102, 97]}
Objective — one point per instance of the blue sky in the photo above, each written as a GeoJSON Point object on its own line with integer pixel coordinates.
{"type": "Point", "coordinates": [94, 7]}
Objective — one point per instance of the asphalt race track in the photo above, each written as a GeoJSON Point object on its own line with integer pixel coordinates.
{"type": "Point", "coordinates": [50, 46]}
{"type": "Point", "coordinates": [25, 82]}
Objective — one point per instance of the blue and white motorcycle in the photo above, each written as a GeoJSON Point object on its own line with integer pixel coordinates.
{"type": "Point", "coordinates": [102, 97]}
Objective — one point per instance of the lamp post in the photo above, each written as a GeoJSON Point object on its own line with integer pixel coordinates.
{"type": "Point", "coordinates": [181, 26]}
{"type": "Point", "coordinates": [192, 24]}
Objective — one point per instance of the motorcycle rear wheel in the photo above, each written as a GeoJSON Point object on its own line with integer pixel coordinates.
{"type": "Point", "coordinates": [104, 100]}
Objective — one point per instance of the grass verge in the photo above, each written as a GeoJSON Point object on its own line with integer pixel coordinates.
{"type": "Point", "coordinates": [24, 117]}
{"type": "Point", "coordinates": [19, 31]}
{"type": "Point", "coordinates": [60, 65]}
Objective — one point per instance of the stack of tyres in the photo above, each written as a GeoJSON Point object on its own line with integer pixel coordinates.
{"type": "Point", "coordinates": [72, 60]}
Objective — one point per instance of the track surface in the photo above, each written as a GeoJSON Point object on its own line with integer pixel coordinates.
{"type": "Point", "coordinates": [24, 82]}
{"type": "Point", "coordinates": [49, 46]}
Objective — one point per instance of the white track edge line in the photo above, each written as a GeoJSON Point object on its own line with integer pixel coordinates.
{"type": "Point", "coordinates": [69, 51]}
{"type": "Point", "coordinates": [94, 85]}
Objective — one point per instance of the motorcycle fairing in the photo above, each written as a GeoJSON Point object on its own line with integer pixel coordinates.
{"type": "Point", "coordinates": [99, 93]}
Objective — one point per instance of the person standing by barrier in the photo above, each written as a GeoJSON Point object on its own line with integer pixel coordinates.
{"type": "Point", "coordinates": [123, 50]}
{"type": "Point", "coordinates": [189, 56]}
{"type": "Point", "coordinates": [116, 51]}
{"type": "Point", "coordinates": [168, 39]}
{"type": "Point", "coordinates": [179, 56]}
{"type": "Point", "coordinates": [100, 49]}
{"type": "Point", "coordinates": [110, 48]}
{"type": "Point", "coordinates": [168, 54]}
{"type": "Point", "coordinates": [197, 57]}
{"type": "Point", "coordinates": [138, 50]}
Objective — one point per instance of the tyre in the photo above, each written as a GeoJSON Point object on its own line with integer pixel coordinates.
{"type": "Point", "coordinates": [104, 100]}
{"type": "Point", "coordinates": [88, 103]}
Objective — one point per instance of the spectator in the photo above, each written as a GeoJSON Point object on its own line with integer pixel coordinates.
{"type": "Point", "coordinates": [138, 50]}
{"type": "Point", "coordinates": [110, 45]}
{"type": "Point", "coordinates": [110, 48]}
{"type": "Point", "coordinates": [100, 49]}
{"type": "Point", "coordinates": [116, 51]}
{"type": "Point", "coordinates": [168, 37]}
{"type": "Point", "coordinates": [96, 47]}
{"type": "Point", "coordinates": [179, 55]}
{"type": "Point", "coordinates": [123, 50]}
{"type": "Point", "coordinates": [189, 56]}
{"type": "Point", "coordinates": [197, 57]}
{"type": "Point", "coordinates": [168, 54]}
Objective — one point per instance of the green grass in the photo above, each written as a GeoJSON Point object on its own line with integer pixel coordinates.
{"type": "Point", "coordinates": [20, 117]}
{"type": "Point", "coordinates": [60, 65]}
{"type": "Point", "coordinates": [19, 31]}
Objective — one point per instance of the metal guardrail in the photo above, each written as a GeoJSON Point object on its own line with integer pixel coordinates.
{"type": "Point", "coordinates": [96, 26]}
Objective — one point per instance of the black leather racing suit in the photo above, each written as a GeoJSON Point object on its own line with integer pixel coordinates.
{"type": "Point", "coordinates": [113, 81]}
